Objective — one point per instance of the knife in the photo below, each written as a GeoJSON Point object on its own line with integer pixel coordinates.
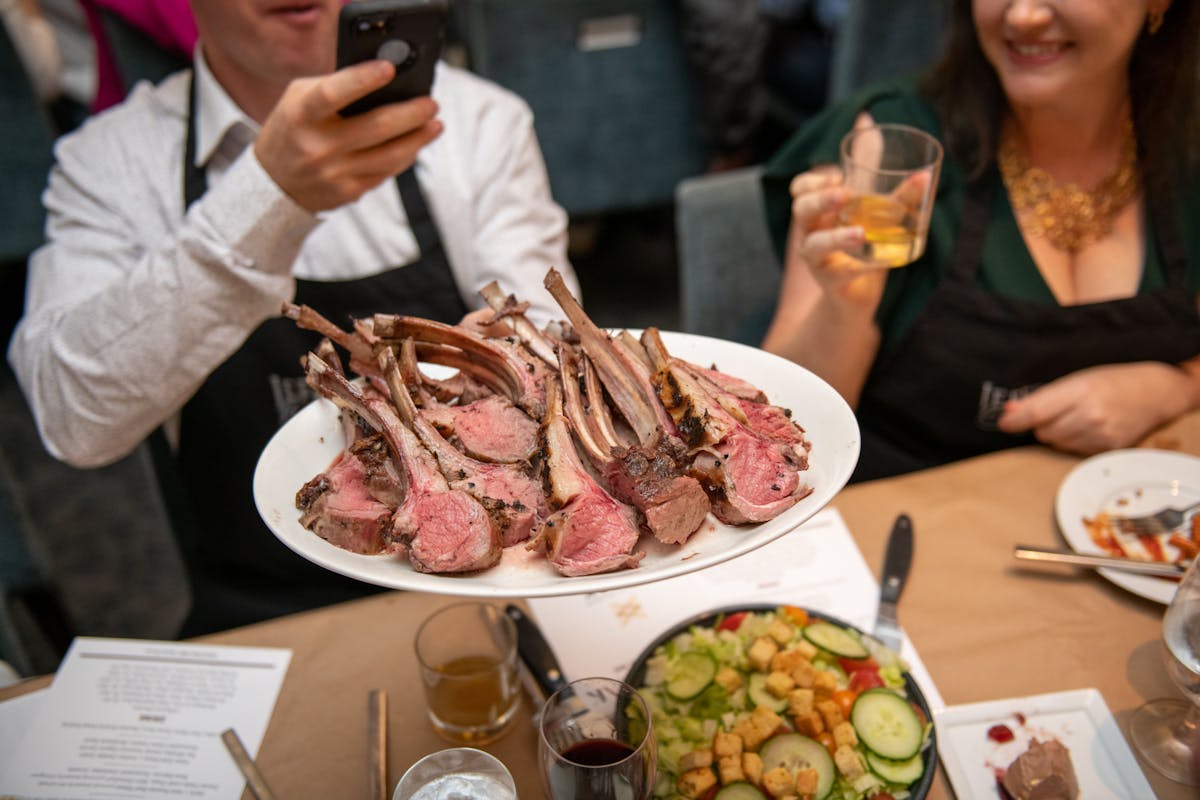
{"type": "Point", "coordinates": [536, 654]}
{"type": "Point", "coordinates": [897, 559]}
{"type": "Point", "coordinates": [1163, 568]}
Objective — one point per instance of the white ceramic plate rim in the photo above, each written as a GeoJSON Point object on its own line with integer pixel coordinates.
{"type": "Point", "coordinates": [308, 443]}
{"type": "Point", "coordinates": [1103, 762]}
{"type": "Point", "coordinates": [1145, 480]}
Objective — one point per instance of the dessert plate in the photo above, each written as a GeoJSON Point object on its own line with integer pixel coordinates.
{"type": "Point", "coordinates": [1080, 720]}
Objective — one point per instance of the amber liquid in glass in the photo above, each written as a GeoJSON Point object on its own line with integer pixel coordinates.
{"type": "Point", "coordinates": [472, 698]}
{"type": "Point", "coordinates": [892, 238]}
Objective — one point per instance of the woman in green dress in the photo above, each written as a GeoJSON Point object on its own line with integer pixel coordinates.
{"type": "Point", "coordinates": [1057, 298]}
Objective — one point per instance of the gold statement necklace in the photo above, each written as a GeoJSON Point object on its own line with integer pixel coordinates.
{"type": "Point", "coordinates": [1068, 217]}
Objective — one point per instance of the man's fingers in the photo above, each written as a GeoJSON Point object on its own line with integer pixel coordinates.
{"type": "Point", "coordinates": [388, 122]}
{"type": "Point", "coordinates": [395, 155]}
{"type": "Point", "coordinates": [335, 92]}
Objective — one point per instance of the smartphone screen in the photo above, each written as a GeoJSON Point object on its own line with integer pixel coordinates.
{"type": "Point", "coordinates": [408, 33]}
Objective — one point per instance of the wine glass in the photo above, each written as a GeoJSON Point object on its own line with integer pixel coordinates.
{"type": "Point", "coordinates": [595, 742]}
{"type": "Point", "coordinates": [1165, 730]}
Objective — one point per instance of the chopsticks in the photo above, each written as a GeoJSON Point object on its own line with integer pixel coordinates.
{"type": "Point", "coordinates": [254, 778]}
{"type": "Point", "coordinates": [377, 744]}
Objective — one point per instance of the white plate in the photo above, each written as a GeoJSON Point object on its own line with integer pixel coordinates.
{"type": "Point", "coordinates": [1128, 483]}
{"type": "Point", "coordinates": [1080, 720]}
{"type": "Point", "coordinates": [308, 443]}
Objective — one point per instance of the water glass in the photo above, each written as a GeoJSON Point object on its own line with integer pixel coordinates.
{"type": "Point", "coordinates": [461, 773]}
{"type": "Point", "coordinates": [892, 174]}
{"type": "Point", "coordinates": [467, 654]}
{"type": "Point", "coordinates": [596, 742]}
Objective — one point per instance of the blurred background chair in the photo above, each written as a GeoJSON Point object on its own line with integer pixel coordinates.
{"type": "Point", "coordinates": [883, 39]}
{"type": "Point", "coordinates": [610, 91]}
{"type": "Point", "coordinates": [729, 275]}
{"type": "Point", "coordinates": [137, 56]}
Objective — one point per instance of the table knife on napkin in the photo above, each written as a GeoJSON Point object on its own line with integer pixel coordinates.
{"type": "Point", "coordinates": [897, 558]}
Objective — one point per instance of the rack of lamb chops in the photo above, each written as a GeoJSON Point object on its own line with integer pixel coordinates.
{"type": "Point", "coordinates": [571, 441]}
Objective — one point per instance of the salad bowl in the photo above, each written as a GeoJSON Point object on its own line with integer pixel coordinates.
{"type": "Point", "coordinates": [660, 675]}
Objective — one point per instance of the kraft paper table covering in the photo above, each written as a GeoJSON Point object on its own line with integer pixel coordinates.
{"type": "Point", "coordinates": [985, 626]}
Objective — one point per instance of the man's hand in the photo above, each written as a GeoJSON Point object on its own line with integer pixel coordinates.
{"type": "Point", "coordinates": [323, 160]}
{"type": "Point", "coordinates": [1101, 408]}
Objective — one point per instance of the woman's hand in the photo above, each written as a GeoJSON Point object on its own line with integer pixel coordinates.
{"type": "Point", "coordinates": [1102, 408]}
{"type": "Point", "coordinates": [820, 245]}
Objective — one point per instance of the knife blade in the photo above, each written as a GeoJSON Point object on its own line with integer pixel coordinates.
{"type": "Point", "coordinates": [1041, 554]}
{"type": "Point", "coordinates": [897, 559]}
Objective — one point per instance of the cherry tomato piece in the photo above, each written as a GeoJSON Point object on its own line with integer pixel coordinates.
{"type": "Point", "coordinates": [845, 700]}
{"type": "Point", "coordinates": [732, 622]}
{"type": "Point", "coordinates": [863, 679]}
{"type": "Point", "coordinates": [851, 665]}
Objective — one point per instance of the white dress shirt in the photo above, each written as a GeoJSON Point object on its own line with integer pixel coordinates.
{"type": "Point", "coordinates": [130, 304]}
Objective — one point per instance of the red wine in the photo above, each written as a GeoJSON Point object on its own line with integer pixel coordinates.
{"type": "Point", "coordinates": [597, 752]}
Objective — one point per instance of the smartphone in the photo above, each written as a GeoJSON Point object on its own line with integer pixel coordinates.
{"type": "Point", "coordinates": [409, 33]}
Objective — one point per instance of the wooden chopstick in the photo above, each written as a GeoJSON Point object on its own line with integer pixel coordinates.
{"type": "Point", "coordinates": [377, 744]}
{"type": "Point", "coordinates": [254, 778]}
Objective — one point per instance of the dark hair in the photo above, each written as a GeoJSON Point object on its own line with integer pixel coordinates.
{"type": "Point", "coordinates": [1164, 88]}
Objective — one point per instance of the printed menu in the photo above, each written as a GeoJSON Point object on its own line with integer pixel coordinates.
{"type": "Point", "coordinates": [133, 718]}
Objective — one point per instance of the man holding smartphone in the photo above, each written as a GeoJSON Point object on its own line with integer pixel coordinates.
{"type": "Point", "coordinates": [182, 219]}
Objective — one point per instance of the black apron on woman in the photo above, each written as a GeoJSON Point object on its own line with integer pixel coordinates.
{"type": "Point", "coordinates": [937, 395]}
{"type": "Point", "coordinates": [240, 572]}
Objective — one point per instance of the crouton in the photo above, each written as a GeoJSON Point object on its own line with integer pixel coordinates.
{"type": "Point", "coordinates": [807, 781]}
{"type": "Point", "coordinates": [695, 782]}
{"type": "Point", "coordinates": [779, 684]}
{"type": "Point", "coordinates": [804, 674]}
{"type": "Point", "coordinates": [695, 760]}
{"type": "Point", "coordinates": [849, 763]}
{"type": "Point", "coordinates": [727, 744]}
{"type": "Point", "coordinates": [800, 701]}
{"type": "Point", "coordinates": [728, 679]}
{"type": "Point", "coordinates": [824, 683]}
{"type": "Point", "coordinates": [752, 767]}
{"type": "Point", "coordinates": [831, 712]}
{"type": "Point", "coordinates": [730, 768]}
{"type": "Point", "coordinates": [788, 660]}
{"type": "Point", "coordinates": [760, 653]}
{"type": "Point", "coordinates": [780, 631]}
{"type": "Point", "coordinates": [779, 782]}
{"type": "Point", "coordinates": [807, 649]}
{"type": "Point", "coordinates": [844, 734]}
{"type": "Point", "coordinates": [810, 724]}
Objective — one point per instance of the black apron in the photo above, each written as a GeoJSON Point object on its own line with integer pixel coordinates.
{"type": "Point", "coordinates": [936, 397]}
{"type": "Point", "coordinates": [240, 572]}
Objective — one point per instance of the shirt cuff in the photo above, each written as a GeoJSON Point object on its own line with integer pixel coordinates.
{"type": "Point", "coordinates": [255, 217]}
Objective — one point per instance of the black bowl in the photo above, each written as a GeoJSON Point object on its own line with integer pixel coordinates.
{"type": "Point", "coordinates": [637, 674]}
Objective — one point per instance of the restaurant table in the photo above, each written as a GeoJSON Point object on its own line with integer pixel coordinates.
{"type": "Point", "coordinates": [986, 627]}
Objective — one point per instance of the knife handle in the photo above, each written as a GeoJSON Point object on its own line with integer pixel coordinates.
{"type": "Point", "coordinates": [897, 560]}
{"type": "Point", "coordinates": [535, 652]}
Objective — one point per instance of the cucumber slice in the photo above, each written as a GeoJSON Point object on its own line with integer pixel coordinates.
{"type": "Point", "coordinates": [836, 640]}
{"type": "Point", "coordinates": [904, 773]}
{"type": "Point", "coordinates": [794, 752]}
{"type": "Point", "coordinates": [739, 790]}
{"type": "Point", "coordinates": [756, 688]}
{"type": "Point", "coordinates": [690, 674]}
{"type": "Point", "coordinates": [887, 725]}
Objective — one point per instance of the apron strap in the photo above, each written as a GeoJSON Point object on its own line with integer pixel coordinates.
{"type": "Point", "coordinates": [972, 232]}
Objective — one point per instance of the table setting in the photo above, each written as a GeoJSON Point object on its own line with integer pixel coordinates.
{"type": "Point", "coordinates": [903, 634]}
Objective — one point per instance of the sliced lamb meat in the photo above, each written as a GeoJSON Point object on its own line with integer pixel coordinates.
{"type": "Point", "coordinates": [441, 529]}
{"type": "Point", "coordinates": [647, 476]}
{"type": "Point", "coordinates": [509, 492]}
{"type": "Point", "coordinates": [491, 429]}
{"type": "Point", "coordinates": [588, 531]}
{"type": "Point", "coordinates": [340, 505]}
{"type": "Point", "coordinates": [749, 477]}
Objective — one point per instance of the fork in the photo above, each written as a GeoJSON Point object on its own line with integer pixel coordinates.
{"type": "Point", "coordinates": [1164, 520]}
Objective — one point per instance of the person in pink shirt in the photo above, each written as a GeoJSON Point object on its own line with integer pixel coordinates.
{"type": "Point", "coordinates": [169, 23]}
